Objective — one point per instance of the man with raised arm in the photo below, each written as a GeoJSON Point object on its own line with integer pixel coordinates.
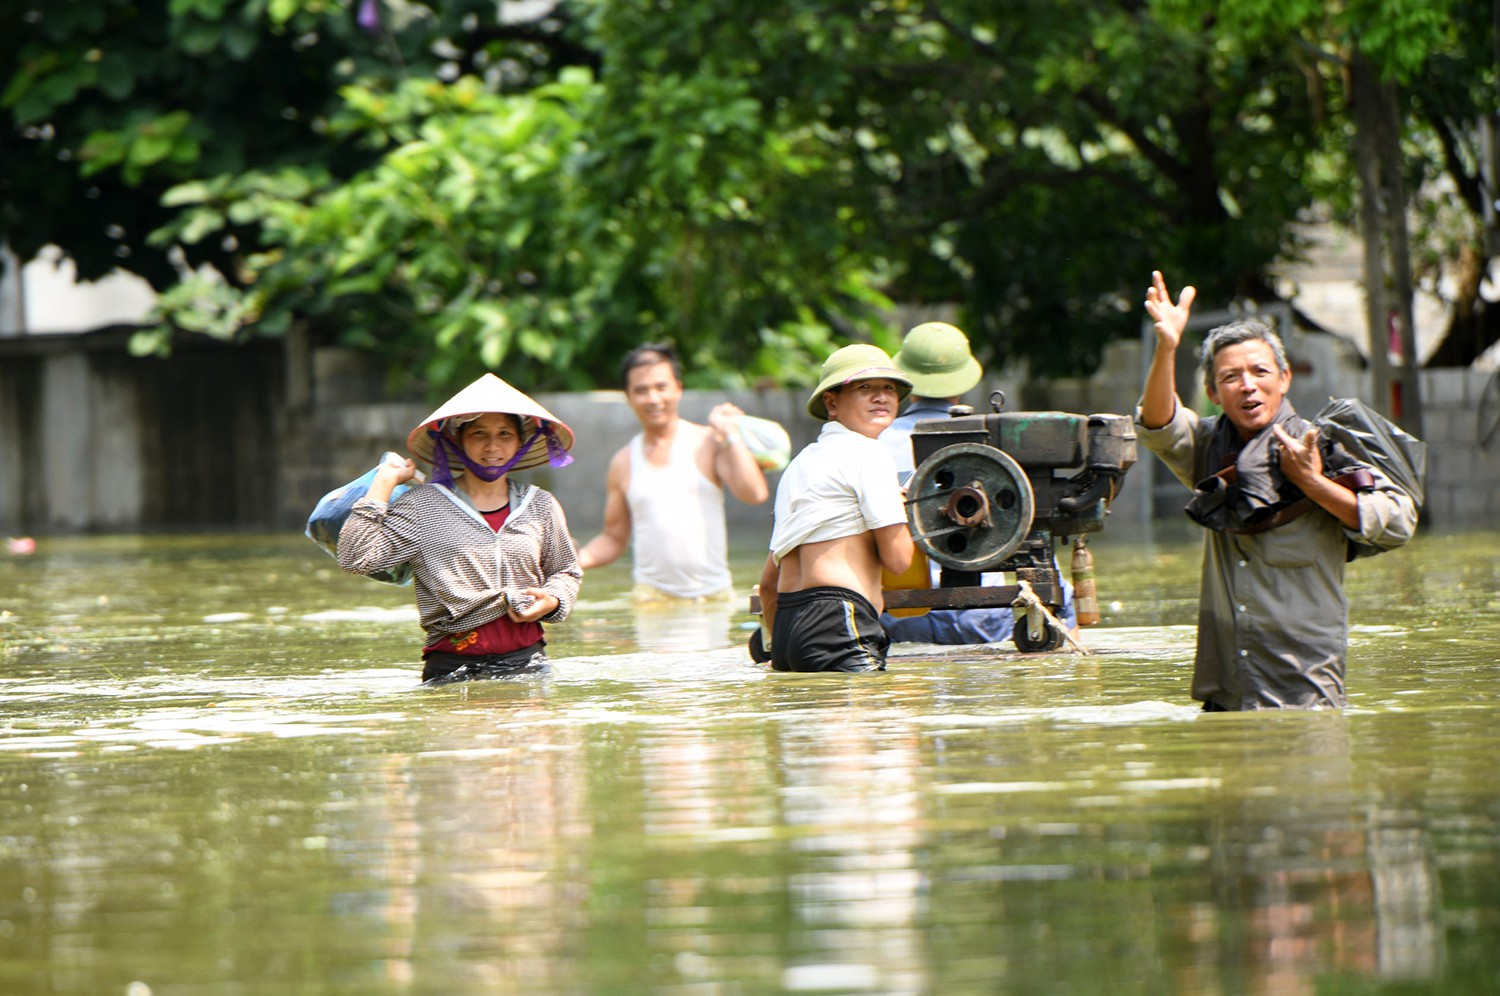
{"type": "Point", "coordinates": [665, 497]}
{"type": "Point", "coordinates": [839, 518]}
{"type": "Point", "coordinates": [1281, 507]}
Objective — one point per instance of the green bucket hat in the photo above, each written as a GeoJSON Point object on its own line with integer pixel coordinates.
{"type": "Point", "coordinates": [935, 357]}
{"type": "Point", "coordinates": [858, 362]}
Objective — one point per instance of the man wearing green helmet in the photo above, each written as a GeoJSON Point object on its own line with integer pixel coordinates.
{"type": "Point", "coordinates": [839, 519]}
{"type": "Point", "coordinates": [935, 357]}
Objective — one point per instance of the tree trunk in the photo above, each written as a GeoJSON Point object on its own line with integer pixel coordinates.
{"type": "Point", "coordinates": [1371, 210]}
{"type": "Point", "coordinates": [1410, 415]}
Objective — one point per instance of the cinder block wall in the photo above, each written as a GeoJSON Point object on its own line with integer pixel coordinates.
{"type": "Point", "coordinates": [94, 439]}
{"type": "Point", "coordinates": [352, 436]}
{"type": "Point", "coordinates": [1463, 477]}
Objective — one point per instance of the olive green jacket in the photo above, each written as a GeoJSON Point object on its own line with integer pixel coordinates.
{"type": "Point", "coordinates": [1273, 622]}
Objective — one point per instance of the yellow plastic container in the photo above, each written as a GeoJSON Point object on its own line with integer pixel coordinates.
{"type": "Point", "coordinates": [917, 577]}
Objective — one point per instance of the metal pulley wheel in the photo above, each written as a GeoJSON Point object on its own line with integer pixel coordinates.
{"type": "Point", "coordinates": [970, 506]}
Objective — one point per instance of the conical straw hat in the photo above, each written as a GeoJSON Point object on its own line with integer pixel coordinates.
{"type": "Point", "coordinates": [490, 394]}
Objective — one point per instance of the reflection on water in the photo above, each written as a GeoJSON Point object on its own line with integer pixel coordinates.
{"type": "Point", "coordinates": [217, 773]}
{"type": "Point", "coordinates": [663, 626]}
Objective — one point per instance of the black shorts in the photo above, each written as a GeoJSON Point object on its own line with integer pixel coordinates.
{"type": "Point", "coordinates": [442, 668]}
{"type": "Point", "coordinates": [827, 629]}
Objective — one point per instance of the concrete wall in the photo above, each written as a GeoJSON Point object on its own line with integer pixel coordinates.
{"type": "Point", "coordinates": [354, 433]}
{"type": "Point", "coordinates": [94, 439]}
{"type": "Point", "coordinates": [1463, 476]}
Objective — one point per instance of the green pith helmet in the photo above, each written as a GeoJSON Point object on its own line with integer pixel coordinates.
{"type": "Point", "coordinates": [935, 357]}
{"type": "Point", "coordinates": [861, 361]}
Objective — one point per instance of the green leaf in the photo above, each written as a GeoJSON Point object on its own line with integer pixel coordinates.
{"type": "Point", "coordinates": [199, 225]}
{"type": "Point", "coordinates": [240, 40]}
{"type": "Point", "coordinates": [199, 38]}
{"type": "Point", "coordinates": [116, 76]}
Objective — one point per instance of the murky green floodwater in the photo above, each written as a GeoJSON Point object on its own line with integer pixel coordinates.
{"type": "Point", "coordinates": [218, 776]}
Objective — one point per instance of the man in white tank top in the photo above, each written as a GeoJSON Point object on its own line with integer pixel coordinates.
{"type": "Point", "coordinates": [665, 495]}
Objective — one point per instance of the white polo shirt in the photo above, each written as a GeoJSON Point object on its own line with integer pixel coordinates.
{"type": "Point", "coordinates": [842, 484]}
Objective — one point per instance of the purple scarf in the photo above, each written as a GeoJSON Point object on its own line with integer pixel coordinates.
{"type": "Point", "coordinates": [444, 450]}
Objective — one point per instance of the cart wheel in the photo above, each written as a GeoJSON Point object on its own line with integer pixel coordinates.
{"type": "Point", "coordinates": [758, 652]}
{"type": "Point", "coordinates": [1052, 638]}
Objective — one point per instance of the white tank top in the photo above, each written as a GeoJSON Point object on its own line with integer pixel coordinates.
{"type": "Point", "coordinates": [677, 523]}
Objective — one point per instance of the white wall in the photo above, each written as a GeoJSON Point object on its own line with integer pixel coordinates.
{"type": "Point", "coordinates": [45, 296]}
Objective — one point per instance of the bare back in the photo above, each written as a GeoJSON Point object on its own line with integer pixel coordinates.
{"type": "Point", "coordinates": [852, 562]}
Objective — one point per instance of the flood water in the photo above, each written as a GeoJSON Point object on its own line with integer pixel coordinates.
{"type": "Point", "coordinates": [218, 775]}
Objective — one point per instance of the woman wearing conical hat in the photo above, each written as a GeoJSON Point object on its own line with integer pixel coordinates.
{"type": "Point", "coordinates": [491, 557]}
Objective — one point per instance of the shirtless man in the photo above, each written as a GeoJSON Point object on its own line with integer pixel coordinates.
{"type": "Point", "coordinates": [665, 495]}
{"type": "Point", "coordinates": [839, 519]}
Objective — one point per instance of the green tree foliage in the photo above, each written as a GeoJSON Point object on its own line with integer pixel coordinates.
{"type": "Point", "coordinates": [456, 195]}
{"type": "Point", "coordinates": [1443, 56]}
{"type": "Point", "coordinates": [754, 181]}
{"type": "Point", "coordinates": [111, 103]}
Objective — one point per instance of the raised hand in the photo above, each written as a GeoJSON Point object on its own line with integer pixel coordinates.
{"type": "Point", "coordinates": [1171, 319]}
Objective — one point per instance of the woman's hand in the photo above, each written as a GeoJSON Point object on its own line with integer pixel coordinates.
{"type": "Point", "coordinates": [388, 476]}
{"type": "Point", "coordinates": [543, 605]}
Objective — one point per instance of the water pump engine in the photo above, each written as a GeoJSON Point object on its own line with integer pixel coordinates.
{"type": "Point", "coordinates": [992, 493]}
